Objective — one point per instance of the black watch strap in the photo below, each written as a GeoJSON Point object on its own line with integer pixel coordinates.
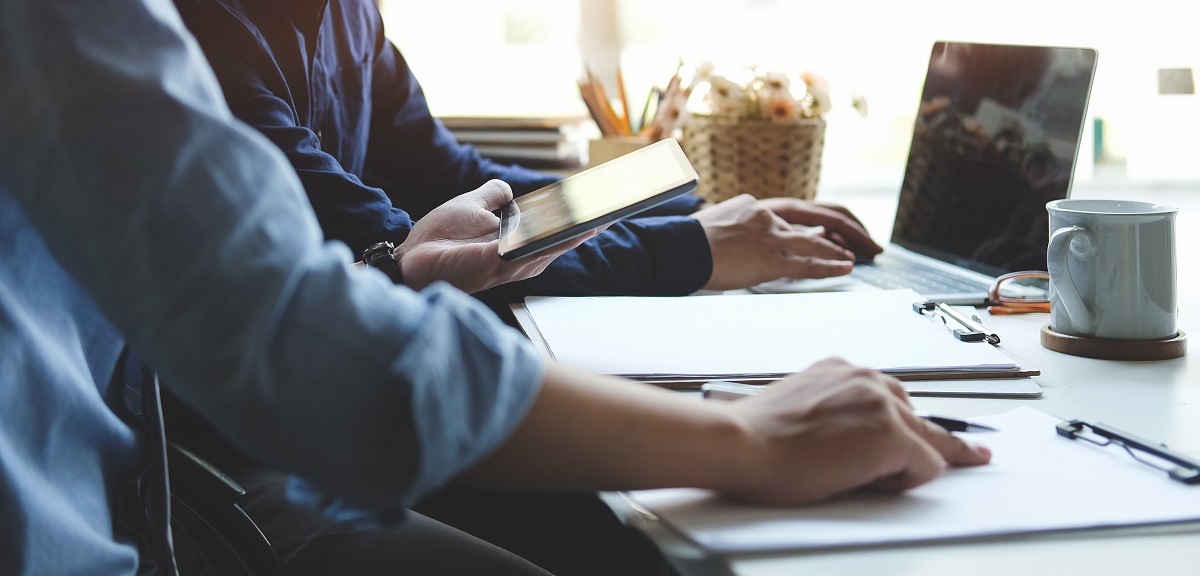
{"type": "Point", "coordinates": [382, 256]}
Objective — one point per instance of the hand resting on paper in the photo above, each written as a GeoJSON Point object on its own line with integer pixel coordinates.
{"type": "Point", "coordinates": [832, 428]}
{"type": "Point", "coordinates": [458, 242]}
{"type": "Point", "coordinates": [836, 427]}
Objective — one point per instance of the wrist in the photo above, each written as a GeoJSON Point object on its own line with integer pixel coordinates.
{"type": "Point", "coordinates": [729, 451]}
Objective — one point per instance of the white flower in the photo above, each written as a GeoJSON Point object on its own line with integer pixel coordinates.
{"type": "Point", "coordinates": [764, 93]}
{"type": "Point", "coordinates": [859, 103]}
{"type": "Point", "coordinates": [779, 108]}
{"type": "Point", "coordinates": [704, 72]}
{"type": "Point", "coordinates": [726, 97]}
{"type": "Point", "coordinates": [818, 89]}
{"type": "Point", "coordinates": [772, 82]}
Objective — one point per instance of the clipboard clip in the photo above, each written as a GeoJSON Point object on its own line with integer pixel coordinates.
{"type": "Point", "coordinates": [967, 330]}
{"type": "Point", "coordinates": [1183, 469]}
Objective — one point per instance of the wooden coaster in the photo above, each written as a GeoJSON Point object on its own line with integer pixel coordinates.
{"type": "Point", "coordinates": [1111, 349]}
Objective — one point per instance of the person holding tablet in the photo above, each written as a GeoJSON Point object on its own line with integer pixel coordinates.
{"type": "Point", "coordinates": [323, 83]}
{"type": "Point", "coordinates": [353, 121]}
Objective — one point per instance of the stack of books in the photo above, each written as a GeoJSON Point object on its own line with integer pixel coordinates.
{"type": "Point", "coordinates": [530, 141]}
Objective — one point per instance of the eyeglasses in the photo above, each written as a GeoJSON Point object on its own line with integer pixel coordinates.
{"type": "Point", "coordinates": [1178, 466]}
{"type": "Point", "coordinates": [1020, 293]}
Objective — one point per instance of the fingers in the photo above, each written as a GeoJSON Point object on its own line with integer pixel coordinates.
{"type": "Point", "coordinates": [839, 221]}
{"type": "Point", "coordinates": [805, 267]}
{"type": "Point", "coordinates": [492, 195]}
{"type": "Point", "coordinates": [955, 450]}
{"type": "Point", "coordinates": [840, 210]}
{"type": "Point", "coordinates": [922, 464]}
{"type": "Point", "coordinates": [852, 233]}
{"type": "Point", "coordinates": [530, 266]}
{"type": "Point", "coordinates": [897, 389]}
{"type": "Point", "coordinates": [811, 243]}
{"type": "Point", "coordinates": [805, 255]}
{"type": "Point", "coordinates": [930, 449]}
{"type": "Point", "coordinates": [553, 252]}
{"type": "Point", "coordinates": [856, 426]}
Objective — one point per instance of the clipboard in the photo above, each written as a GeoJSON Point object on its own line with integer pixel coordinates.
{"type": "Point", "coordinates": [1009, 379]}
{"type": "Point", "coordinates": [1038, 482]}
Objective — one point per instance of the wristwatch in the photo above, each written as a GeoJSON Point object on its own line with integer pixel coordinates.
{"type": "Point", "coordinates": [382, 256]}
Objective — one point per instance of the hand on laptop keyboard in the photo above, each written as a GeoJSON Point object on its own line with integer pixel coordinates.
{"type": "Point", "coordinates": [751, 245]}
{"type": "Point", "coordinates": [841, 226]}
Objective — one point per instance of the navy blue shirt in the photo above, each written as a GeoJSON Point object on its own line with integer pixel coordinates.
{"type": "Point", "coordinates": [320, 80]}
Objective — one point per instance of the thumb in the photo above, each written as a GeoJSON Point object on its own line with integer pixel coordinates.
{"type": "Point", "coordinates": [492, 195]}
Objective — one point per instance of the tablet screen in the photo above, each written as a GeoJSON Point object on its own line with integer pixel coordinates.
{"type": "Point", "coordinates": [599, 195]}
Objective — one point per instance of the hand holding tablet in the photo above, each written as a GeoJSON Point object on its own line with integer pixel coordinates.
{"type": "Point", "coordinates": [595, 198]}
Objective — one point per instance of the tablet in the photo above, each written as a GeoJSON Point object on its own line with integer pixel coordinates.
{"type": "Point", "coordinates": [595, 197]}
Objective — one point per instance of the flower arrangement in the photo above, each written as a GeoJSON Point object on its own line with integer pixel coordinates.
{"type": "Point", "coordinates": [757, 131]}
{"type": "Point", "coordinates": [763, 94]}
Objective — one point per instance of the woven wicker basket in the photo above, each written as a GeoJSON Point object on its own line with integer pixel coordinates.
{"type": "Point", "coordinates": [754, 157]}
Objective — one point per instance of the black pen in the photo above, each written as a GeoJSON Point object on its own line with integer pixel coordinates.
{"type": "Point", "coordinates": [721, 390]}
{"type": "Point", "coordinates": [953, 425]}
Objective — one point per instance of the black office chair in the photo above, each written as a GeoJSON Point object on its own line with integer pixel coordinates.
{"type": "Point", "coordinates": [213, 535]}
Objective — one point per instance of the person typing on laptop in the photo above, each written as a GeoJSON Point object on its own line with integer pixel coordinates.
{"type": "Point", "coordinates": [373, 160]}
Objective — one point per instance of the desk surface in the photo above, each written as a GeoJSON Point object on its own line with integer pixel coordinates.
{"type": "Point", "coordinates": [1156, 400]}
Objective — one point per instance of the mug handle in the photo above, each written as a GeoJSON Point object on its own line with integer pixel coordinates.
{"type": "Point", "coordinates": [1056, 260]}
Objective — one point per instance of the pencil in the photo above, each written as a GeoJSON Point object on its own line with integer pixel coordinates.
{"type": "Point", "coordinates": [652, 99]}
{"type": "Point", "coordinates": [596, 108]}
{"type": "Point", "coordinates": [625, 114]}
{"type": "Point", "coordinates": [605, 105]}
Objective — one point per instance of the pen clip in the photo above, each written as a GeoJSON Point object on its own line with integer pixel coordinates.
{"type": "Point", "coordinates": [964, 333]}
{"type": "Point", "coordinates": [1182, 469]}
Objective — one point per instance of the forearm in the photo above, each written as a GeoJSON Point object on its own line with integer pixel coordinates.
{"type": "Point", "coordinates": [587, 432]}
{"type": "Point", "coordinates": [831, 428]}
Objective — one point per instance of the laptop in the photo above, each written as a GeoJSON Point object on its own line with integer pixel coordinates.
{"type": "Point", "coordinates": [996, 137]}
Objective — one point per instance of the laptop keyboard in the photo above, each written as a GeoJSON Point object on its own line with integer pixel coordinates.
{"type": "Point", "coordinates": [889, 273]}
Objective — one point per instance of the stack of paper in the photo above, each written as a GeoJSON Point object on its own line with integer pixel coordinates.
{"type": "Point", "coordinates": [758, 336]}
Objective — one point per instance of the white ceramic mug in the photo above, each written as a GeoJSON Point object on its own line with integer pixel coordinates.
{"type": "Point", "coordinates": [1112, 269]}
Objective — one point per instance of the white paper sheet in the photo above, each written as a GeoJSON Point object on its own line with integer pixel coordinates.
{"type": "Point", "coordinates": [1036, 482]}
{"type": "Point", "coordinates": [725, 336]}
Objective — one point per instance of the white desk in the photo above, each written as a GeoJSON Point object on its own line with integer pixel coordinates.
{"type": "Point", "coordinates": [1155, 400]}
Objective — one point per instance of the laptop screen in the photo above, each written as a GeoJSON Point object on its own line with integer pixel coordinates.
{"type": "Point", "coordinates": [995, 138]}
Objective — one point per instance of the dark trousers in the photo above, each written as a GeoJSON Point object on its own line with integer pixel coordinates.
{"type": "Point", "coordinates": [453, 532]}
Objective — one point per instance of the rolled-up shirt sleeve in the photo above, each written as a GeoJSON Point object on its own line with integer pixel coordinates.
{"type": "Point", "coordinates": [193, 235]}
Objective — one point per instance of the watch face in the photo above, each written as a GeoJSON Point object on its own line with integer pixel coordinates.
{"type": "Point", "coordinates": [377, 250]}
{"type": "Point", "coordinates": [382, 257]}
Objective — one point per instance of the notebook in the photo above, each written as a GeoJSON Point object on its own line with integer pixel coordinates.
{"type": "Point", "coordinates": [684, 342]}
{"type": "Point", "coordinates": [996, 137]}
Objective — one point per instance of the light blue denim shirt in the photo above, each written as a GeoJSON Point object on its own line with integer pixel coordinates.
{"type": "Point", "coordinates": [136, 213]}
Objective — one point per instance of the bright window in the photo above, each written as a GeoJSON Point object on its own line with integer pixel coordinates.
{"type": "Point", "coordinates": [523, 57]}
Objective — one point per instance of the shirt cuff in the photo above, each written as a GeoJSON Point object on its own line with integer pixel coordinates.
{"type": "Point", "coordinates": [680, 257]}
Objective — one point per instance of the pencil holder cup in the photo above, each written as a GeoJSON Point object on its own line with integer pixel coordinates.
{"type": "Point", "coordinates": [757, 157]}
